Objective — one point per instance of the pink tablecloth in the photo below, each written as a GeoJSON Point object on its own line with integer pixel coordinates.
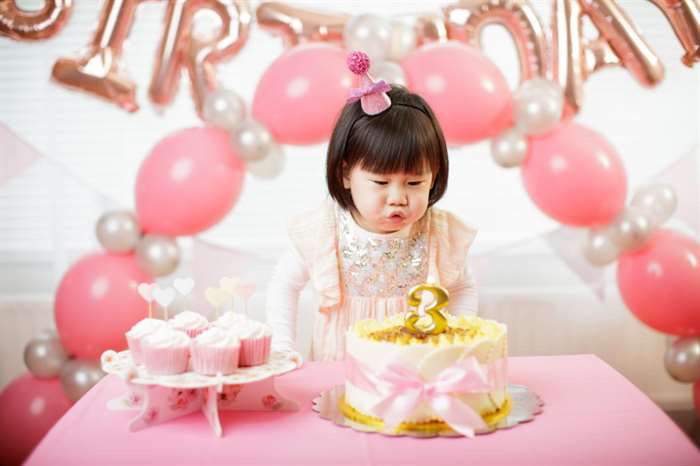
{"type": "Point", "coordinates": [592, 416]}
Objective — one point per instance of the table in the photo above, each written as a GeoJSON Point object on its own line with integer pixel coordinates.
{"type": "Point", "coordinates": [592, 416]}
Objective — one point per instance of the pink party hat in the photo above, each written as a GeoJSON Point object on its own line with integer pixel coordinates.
{"type": "Point", "coordinates": [371, 94]}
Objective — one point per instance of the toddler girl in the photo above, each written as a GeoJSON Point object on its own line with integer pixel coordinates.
{"type": "Point", "coordinates": [378, 234]}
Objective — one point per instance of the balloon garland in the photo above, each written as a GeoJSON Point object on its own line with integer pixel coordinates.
{"type": "Point", "coordinates": [571, 173]}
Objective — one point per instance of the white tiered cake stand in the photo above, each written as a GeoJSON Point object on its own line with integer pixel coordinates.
{"type": "Point", "coordinates": [160, 398]}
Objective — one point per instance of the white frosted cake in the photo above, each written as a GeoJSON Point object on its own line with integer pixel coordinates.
{"type": "Point", "coordinates": [398, 380]}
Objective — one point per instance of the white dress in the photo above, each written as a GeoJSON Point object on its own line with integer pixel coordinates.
{"type": "Point", "coordinates": [374, 273]}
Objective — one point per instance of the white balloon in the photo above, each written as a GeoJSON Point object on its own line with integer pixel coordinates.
{"type": "Point", "coordinates": [269, 167]}
{"type": "Point", "coordinates": [509, 148]}
{"type": "Point", "coordinates": [600, 249]}
{"type": "Point", "coordinates": [251, 140]}
{"type": "Point", "coordinates": [539, 85]}
{"type": "Point", "coordinates": [656, 202]}
{"type": "Point", "coordinates": [370, 34]}
{"type": "Point", "coordinates": [630, 229]}
{"type": "Point", "coordinates": [403, 40]}
{"type": "Point", "coordinates": [389, 71]}
{"type": "Point", "coordinates": [538, 106]}
{"type": "Point", "coordinates": [223, 108]}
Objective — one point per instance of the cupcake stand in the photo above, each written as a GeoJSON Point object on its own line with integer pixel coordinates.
{"type": "Point", "coordinates": [160, 398]}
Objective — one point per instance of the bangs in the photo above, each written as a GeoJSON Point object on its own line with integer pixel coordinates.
{"type": "Point", "coordinates": [401, 142]}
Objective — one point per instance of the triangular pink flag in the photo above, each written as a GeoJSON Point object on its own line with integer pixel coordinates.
{"type": "Point", "coordinates": [15, 154]}
{"type": "Point", "coordinates": [684, 176]}
{"type": "Point", "coordinates": [567, 243]}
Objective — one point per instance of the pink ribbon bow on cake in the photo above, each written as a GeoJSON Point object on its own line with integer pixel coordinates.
{"type": "Point", "coordinates": [402, 390]}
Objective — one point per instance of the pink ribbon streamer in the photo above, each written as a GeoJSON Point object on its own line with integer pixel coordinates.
{"type": "Point", "coordinates": [402, 390]}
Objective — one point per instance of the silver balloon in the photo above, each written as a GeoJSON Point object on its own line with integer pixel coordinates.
{"type": "Point", "coordinates": [269, 167]}
{"type": "Point", "coordinates": [251, 140]}
{"type": "Point", "coordinates": [509, 148]}
{"type": "Point", "coordinates": [630, 229]}
{"type": "Point", "coordinates": [656, 202]}
{"type": "Point", "coordinates": [158, 255]}
{"type": "Point", "coordinates": [224, 108]}
{"type": "Point", "coordinates": [538, 106]}
{"type": "Point", "coordinates": [44, 357]}
{"type": "Point", "coordinates": [370, 34]}
{"type": "Point", "coordinates": [682, 359]}
{"type": "Point", "coordinates": [118, 231]}
{"type": "Point", "coordinates": [389, 71]}
{"type": "Point", "coordinates": [600, 249]}
{"type": "Point", "coordinates": [78, 376]}
{"type": "Point", "coordinates": [403, 40]}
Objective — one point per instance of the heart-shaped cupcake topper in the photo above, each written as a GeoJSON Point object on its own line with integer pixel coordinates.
{"type": "Point", "coordinates": [145, 290]}
{"type": "Point", "coordinates": [230, 285]}
{"type": "Point", "coordinates": [418, 303]}
{"type": "Point", "coordinates": [216, 297]}
{"type": "Point", "coordinates": [164, 297]}
{"type": "Point", "coordinates": [234, 287]}
{"type": "Point", "coordinates": [184, 286]}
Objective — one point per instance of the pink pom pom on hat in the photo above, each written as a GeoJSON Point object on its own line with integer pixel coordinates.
{"type": "Point", "coordinates": [371, 94]}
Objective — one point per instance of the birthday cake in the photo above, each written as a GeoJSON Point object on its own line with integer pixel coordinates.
{"type": "Point", "coordinates": [405, 374]}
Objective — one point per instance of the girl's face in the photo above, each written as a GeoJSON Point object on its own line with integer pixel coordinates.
{"type": "Point", "coordinates": [387, 203]}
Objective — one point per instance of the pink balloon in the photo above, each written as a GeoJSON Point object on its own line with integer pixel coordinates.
{"type": "Point", "coordinates": [465, 89]}
{"type": "Point", "coordinates": [189, 181]}
{"type": "Point", "coordinates": [575, 176]}
{"type": "Point", "coordinates": [660, 283]}
{"type": "Point", "coordinates": [97, 302]}
{"type": "Point", "coordinates": [29, 407]}
{"type": "Point", "coordinates": [301, 94]}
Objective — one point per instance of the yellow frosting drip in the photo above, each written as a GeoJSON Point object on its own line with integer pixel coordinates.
{"type": "Point", "coordinates": [460, 330]}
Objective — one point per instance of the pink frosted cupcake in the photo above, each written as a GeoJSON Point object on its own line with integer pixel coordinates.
{"type": "Point", "coordinates": [255, 342]}
{"type": "Point", "coordinates": [215, 351]}
{"type": "Point", "coordinates": [166, 351]}
{"type": "Point", "coordinates": [230, 320]}
{"type": "Point", "coordinates": [192, 323]}
{"type": "Point", "coordinates": [142, 329]}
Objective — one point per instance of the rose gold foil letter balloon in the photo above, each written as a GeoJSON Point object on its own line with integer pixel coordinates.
{"type": "Point", "coordinates": [97, 72]}
{"type": "Point", "coordinates": [619, 43]}
{"type": "Point", "coordinates": [179, 47]}
{"type": "Point", "coordinates": [684, 17]}
{"type": "Point", "coordinates": [431, 27]}
{"type": "Point", "coordinates": [19, 24]}
{"type": "Point", "coordinates": [296, 25]}
{"type": "Point", "coordinates": [466, 19]}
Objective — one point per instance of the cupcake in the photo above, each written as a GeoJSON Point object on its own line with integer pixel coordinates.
{"type": "Point", "coordinates": [166, 351]}
{"type": "Point", "coordinates": [192, 323]}
{"type": "Point", "coordinates": [215, 351]}
{"type": "Point", "coordinates": [230, 320]}
{"type": "Point", "coordinates": [138, 332]}
{"type": "Point", "coordinates": [255, 342]}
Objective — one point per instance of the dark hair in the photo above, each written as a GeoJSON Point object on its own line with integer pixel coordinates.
{"type": "Point", "coordinates": [404, 138]}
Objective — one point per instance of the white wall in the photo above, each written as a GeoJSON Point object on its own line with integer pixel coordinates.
{"type": "Point", "coordinates": [93, 150]}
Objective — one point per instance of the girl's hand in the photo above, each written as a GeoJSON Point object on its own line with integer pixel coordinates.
{"type": "Point", "coordinates": [291, 354]}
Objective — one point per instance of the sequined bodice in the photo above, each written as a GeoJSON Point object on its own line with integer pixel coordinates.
{"type": "Point", "coordinates": [374, 266]}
